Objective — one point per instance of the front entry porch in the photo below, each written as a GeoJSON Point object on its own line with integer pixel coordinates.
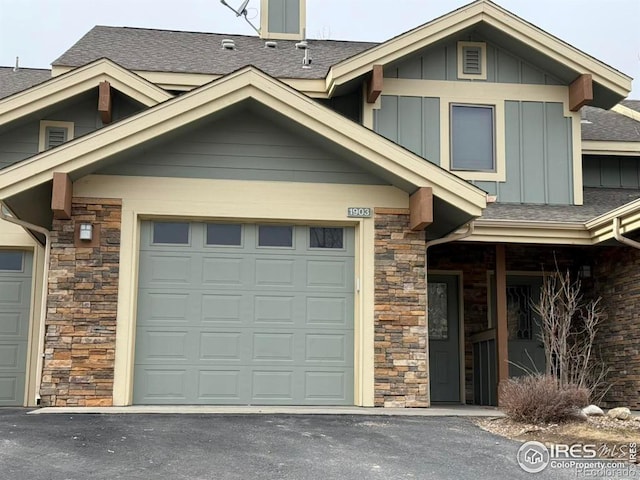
{"type": "Point", "coordinates": [499, 333]}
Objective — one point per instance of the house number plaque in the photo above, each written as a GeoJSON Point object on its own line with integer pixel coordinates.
{"type": "Point", "coordinates": [358, 212]}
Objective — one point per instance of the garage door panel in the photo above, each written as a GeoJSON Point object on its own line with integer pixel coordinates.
{"type": "Point", "coordinates": [273, 347]}
{"type": "Point", "coordinates": [221, 346]}
{"type": "Point", "coordinates": [220, 385]}
{"type": "Point", "coordinates": [11, 325]}
{"type": "Point", "coordinates": [220, 308]}
{"type": "Point", "coordinates": [275, 272]}
{"type": "Point", "coordinates": [321, 387]}
{"type": "Point", "coordinates": [256, 325]}
{"type": "Point", "coordinates": [330, 312]}
{"type": "Point", "coordinates": [11, 355]}
{"type": "Point", "coordinates": [164, 307]}
{"type": "Point", "coordinates": [330, 348]}
{"type": "Point", "coordinates": [162, 345]}
{"type": "Point", "coordinates": [12, 293]}
{"type": "Point", "coordinates": [11, 390]}
{"type": "Point", "coordinates": [328, 273]}
{"type": "Point", "coordinates": [166, 268]}
{"type": "Point", "coordinates": [221, 271]}
{"type": "Point", "coordinates": [272, 386]}
{"type": "Point", "coordinates": [161, 385]}
{"type": "Point", "coordinates": [15, 302]}
{"type": "Point", "coordinates": [274, 310]}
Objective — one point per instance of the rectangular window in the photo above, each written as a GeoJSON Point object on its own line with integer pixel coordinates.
{"type": "Point", "coordinates": [275, 236]}
{"type": "Point", "coordinates": [224, 234]}
{"type": "Point", "coordinates": [473, 138]}
{"type": "Point", "coordinates": [11, 261]}
{"type": "Point", "coordinates": [176, 233]}
{"type": "Point", "coordinates": [320, 237]}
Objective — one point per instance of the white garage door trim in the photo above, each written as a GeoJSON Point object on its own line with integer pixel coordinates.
{"type": "Point", "coordinates": [262, 341]}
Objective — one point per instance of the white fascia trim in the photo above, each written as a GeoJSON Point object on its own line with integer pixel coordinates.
{"type": "Point", "coordinates": [596, 147]}
{"type": "Point", "coordinates": [458, 20]}
{"type": "Point", "coordinates": [242, 85]}
{"type": "Point", "coordinates": [77, 81]}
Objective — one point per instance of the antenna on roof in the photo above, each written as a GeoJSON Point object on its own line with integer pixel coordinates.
{"type": "Point", "coordinates": [241, 12]}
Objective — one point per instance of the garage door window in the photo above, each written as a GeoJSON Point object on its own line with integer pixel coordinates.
{"type": "Point", "coordinates": [171, 233]}
{"type": "Point", "coordinates": [11, 261]}
{"type": "Point", "coordinates": [228, 235]}
{"type": "Point", "coordinates": [320, 237]}
{"type": "Point", "coordinates": [275, 236]}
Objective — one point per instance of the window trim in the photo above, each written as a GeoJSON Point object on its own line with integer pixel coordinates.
{"type": "Point", "coordinates": [217, 245]}
{"type": "Point", "coordinates": [22, 261]}
{"type": "Point", "coordinates": [280, 247]}
{"type": "Point", "coordinates": [189, 233]}
{"type": "Point", "coordinates": [483, 61]}
{"type": "Point", "coordinates": [494, 168]}
{"type": "Point", "coordinates": [326, 249]}
{"type": "Point", "coordinates": [500, 148]}
{"type": "Point", "coordinates": [44, 124]}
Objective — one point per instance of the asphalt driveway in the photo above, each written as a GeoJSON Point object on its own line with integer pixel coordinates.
{"type": "Point", "coordinates": [300, 447]}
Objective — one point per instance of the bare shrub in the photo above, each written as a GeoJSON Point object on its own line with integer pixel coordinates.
{"type": "Point", "coordinates": [569, 326]}
{"type": "Point", "coordinates": [541, 399]}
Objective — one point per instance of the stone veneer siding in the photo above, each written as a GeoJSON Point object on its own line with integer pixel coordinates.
{"type": "Point", "coordinates": [81, 309]}
{"type": "Point", "coordinates": [617, 280]}
{"type": "Point", "coordinates": [401, 376]}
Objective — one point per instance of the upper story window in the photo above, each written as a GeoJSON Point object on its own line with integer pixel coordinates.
{"type": "Point", "coordinates": [473, 138]}
{"type": "Point", "coordinates": [472, 60]}
{"type": "Point", "coordinates": [54, 133]}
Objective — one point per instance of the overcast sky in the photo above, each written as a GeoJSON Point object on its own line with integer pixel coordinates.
{"type": "Point", "coordinates": [38, 31]}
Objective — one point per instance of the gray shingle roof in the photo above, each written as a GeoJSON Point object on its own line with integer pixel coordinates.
{"type": "Point", "coordinates": [597, 201]}
{"type": "Point", "coordinates": [192, 52]}
{"type": "Point", "coordinates": [607, 125]}
{"type": "Point", "coordinates": [632, 104]}
{"type": "Point", "coordinates": [13, 82]}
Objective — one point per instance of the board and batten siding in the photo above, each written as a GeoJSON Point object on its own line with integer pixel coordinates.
{"type": "Point", "coordinates": [539, 159]}
{"type": "Point", "coordinates": [439, 62]}
{"type": "Point", "coordinates": [21, 141]}
{"type": "Point", "coordinates": [539, 164]}
{"type": "Point", "coordinates": [413, 122]}
{"type": "Point", "coordinates": [243, 146]}
{"type": "Point", "coordinates": [611, 171]}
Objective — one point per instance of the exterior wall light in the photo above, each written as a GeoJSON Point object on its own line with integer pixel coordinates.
{"type": "Point", "coordinates": [86, 232]}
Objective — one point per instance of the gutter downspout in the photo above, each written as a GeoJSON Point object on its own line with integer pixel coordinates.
{"type": "Point", "coordinates": [45, 284]}
{"type": "Point", "coordinates": [618, 236]}
{"type": "Point", "coordinates": [453, 237]}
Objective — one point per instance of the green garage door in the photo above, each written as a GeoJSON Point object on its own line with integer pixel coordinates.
{"type": "Point", "coordinates": [244, 314]}
{"type": "Point", "coordinates": [15, 299]}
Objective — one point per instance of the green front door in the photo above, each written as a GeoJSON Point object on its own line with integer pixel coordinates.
{"type": "Point", "coordinates": [444, 338]}
{"type": "Point", "coordinates": [15, 299]}
{"type": "Point", "coordinates": [244, 314]}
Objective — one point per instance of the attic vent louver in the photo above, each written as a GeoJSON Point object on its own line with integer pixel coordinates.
{"type": "Point", "coordinates": [472, 64]}
{"type": "Point", "coordinates": [270, 44]}
{"type": "Point", "coordinates": [55, 136]}
{"type": "Point", "coordinates": [303, 45]}
{"type": "Point", "coordinates": [228, 44]}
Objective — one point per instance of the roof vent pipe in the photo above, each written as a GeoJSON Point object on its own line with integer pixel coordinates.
{"type": "Point", "coordinates": [17, 67]}
{"type": "Point", "coordinates": [270, 44]}
{"type": "Point", "coordinates": [228, 44]}
{"type": "Point", "coordinates": [303, 45]}
{"type": "Point", "coordinates": [306, 61]}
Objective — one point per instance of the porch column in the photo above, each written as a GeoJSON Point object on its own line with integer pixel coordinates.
{"type": "Point", "coordinates": [502, 331]}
